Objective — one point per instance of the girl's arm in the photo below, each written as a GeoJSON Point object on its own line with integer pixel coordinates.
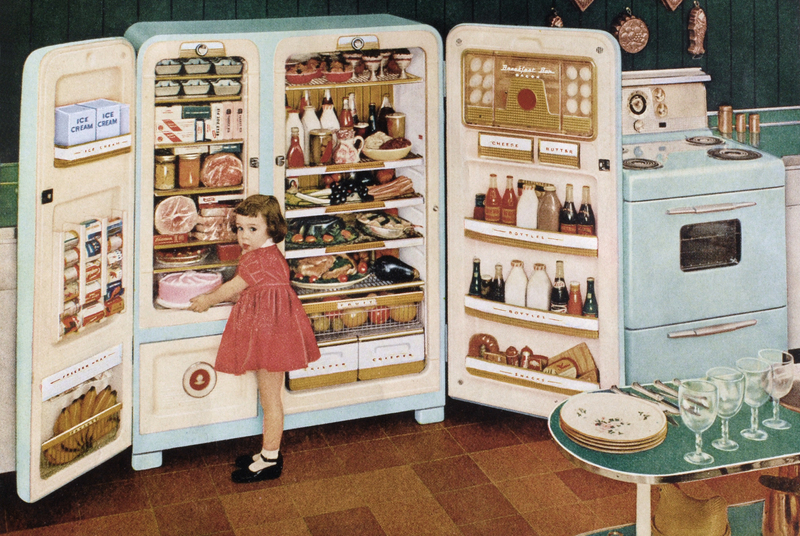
{"type": "Point", "coordinates": [225, 292]}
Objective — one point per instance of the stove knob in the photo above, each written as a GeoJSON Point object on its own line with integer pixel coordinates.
{"type": "Point", "coordinates": [638, 125]}
{"type": "Point", "coordinates": [658, 94]}
{"type": "Point", "coordinates": [638, 152]}
{"type": "Point", "coordinates": [661, 110]}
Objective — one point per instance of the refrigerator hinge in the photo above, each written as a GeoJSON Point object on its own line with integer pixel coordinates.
{"type": "Point", "coordinates": [280, 160]}
{"type": "Point", "coordinates": [254, 162]}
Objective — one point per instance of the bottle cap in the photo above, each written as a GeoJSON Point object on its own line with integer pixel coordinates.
{"type": "Point", "coordinates": [539, 266]}
{"type": "Point", "coordinates": [516, 262]}
{"type": "Point", "coordinates": [549, 188]}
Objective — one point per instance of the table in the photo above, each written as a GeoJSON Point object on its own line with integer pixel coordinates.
{"type": "Point", "coordinates": [665, 464]}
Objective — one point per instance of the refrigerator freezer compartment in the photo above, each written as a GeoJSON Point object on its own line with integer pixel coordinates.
{"type": "Point", "coordinates": [578, 326]}
{"type": "Point", "coordinates": [509, 235]}
{"type": "Point", "coordinates": [179, 387]}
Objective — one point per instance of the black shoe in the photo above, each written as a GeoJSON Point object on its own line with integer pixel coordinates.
{"type": "Point", "coordinates": [244, 461]}
{"type": "Point", "coordinates": [246, 476]}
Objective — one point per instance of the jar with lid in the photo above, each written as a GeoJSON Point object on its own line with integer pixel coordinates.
{"type": "Point", "coordinates": [527, 207]}
{"type": "Point", "coordinates": [516, 283]}
{"type": "Point", "coordinates": [479, 212]}
{"type": "Point", "coordinates": [549, 210]}
{"type": "Point", "coordinates": [189, 170]}
{"type": "Point", "coordinates": [165, 172]}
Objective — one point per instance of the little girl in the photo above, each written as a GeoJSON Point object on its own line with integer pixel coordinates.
{"type": "Point", "coordinates": [268, 331]}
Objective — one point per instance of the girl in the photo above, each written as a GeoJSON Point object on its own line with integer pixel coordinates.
{"type": "Point", "coordinates": [267, 331]}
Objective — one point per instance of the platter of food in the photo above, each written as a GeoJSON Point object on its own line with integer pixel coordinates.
{"type": "Point", "coordinates": [181, 256]}
{"type": "Point", "coordinates": [325, 272]}
{"type": "Point", "coordinates": [319, 231]}
{"type": "Point", "coordinates": [384, 225]}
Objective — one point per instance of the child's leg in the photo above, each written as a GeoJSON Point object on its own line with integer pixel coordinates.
{"type": "Point", "coordinates": [270, 387]}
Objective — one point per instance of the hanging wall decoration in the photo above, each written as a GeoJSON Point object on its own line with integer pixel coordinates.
{"type": "Point", "coordinates": [631, 32]}
{"type": "Point", "coordinates": [698, 25]}
{"type": "Point", "coordinates": [672, 4]}
{"type": "Point", "coordinates": [554, 20]}
{"type": "Point", "coordinates": [582, 4]}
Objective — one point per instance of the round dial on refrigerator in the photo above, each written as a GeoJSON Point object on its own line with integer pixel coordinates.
{"type": "Point", "coordinates": [658, 94]}
{"type": "Point", "coordinates": [199, 380]}
{"type": "Point", "coordinates": [637, 104]}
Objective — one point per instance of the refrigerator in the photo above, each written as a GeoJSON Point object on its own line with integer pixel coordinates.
{"type": "Point", "coordinates": [113, 230]}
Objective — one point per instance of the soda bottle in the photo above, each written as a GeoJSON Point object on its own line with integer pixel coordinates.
{"type": "Point", "coordinates": [475, 283]}
{"type": "Point", "coordinates": [559, 297]}
{"type": "Point", "coordinates": [575, 304]}
{"type": "Point", "coordinates": [497, 290]}
{"type": "Point", "coordinates": [585, 222]}
{"type": "Point", "coordinates": [568, 217]}
{"type": "Point", "coordinates": [508, 209]}
{"type": "Point", "coordinates": [492, 202]}
{"type": "Point", "coordinates": [590, 304]}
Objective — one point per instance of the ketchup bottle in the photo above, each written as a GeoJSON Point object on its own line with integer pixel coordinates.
{"type": "Point", "coordinates": [492, 202]}
{"type": "Point", "coordinates": [508, 208]}
{"type": "Point", "coordinates": [294, 156]}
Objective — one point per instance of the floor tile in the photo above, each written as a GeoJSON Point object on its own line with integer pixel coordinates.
{"type": "Point", "coordinates": [368, 455]}
{"type": "Point", "coordinates": [284, 527]}
{"type": "Point", "coordinates": [458, 412]}
{"type": "Point", "coordinates": [302, 439]}
{"type": "Point", "coordinates": [515, 525]}
{"type": "Point", "coordinates": [324, 496]}
{"type": "Point", "coordinates": [533, 491]}
{"type": "Point", "coordinates": [588, 486]}
{"type": "Point", "coordinates": [550, 455]}
{"type": "Point", "coordinates": [478, 503]}
{"type": "Point", "coordinates": [113, 498]}
{"type": "Point", "coordinates": [427, 446]}
{"type": "Point", "coordinates": [417, 516]}
{"type": "Point", "coordinates": [311, 465]}
{"type": "Point", "coordinates": [341, 433]}
{"type": "Point", "coordinates": [180, 486]}
{"type": "Point", "coordinates": [615, 510]}
{"type": "Point", "coordinates": [141, 523]}
{"type": "Point", "coordinates": [405, 424]}
{"type": "Point", "coordinates": [483, 436]}
{"type": "Point", "coordinates": [576, 519]}
{"type": "Point", "coordinates": [528, 429]}
{"type": "Point", "coordinates": [450, 473]}
{"type": "Point", "coordinates": [387, 485]}
{"type": "Point", "coordinates": [258, 507]}
{"type": "Point", "coordinates": [739, 488]}
{"type": "Point", "coordinates": [358, 521]}
{"type": "Point", "coordinates": [508, 462]}
{"type": "Point", "coordinates": [221, 475]}
{"type": "Point", "coordinates": [196, 518]}
{"type": "Point", "coordinates": [61, 506]}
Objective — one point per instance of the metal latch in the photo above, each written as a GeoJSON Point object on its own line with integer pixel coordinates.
{"type": "Point", "coordinates": [254, 162]}
{"type": "Point", "coordinates": [280, 160]}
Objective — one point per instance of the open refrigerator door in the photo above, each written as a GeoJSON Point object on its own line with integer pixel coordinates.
{"type": "Point", "coordinates": [74, 319]}
{"type": "Point", "coordinates": [538, 108]}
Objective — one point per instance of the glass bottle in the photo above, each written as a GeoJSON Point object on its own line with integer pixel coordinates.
{"type": "Point", "coordinates": [492, 203]}
{"type": "Point", "coordinates": [585, 220]}
{"type": "Point", "coordinates": [516, 284]}
{"type": "Point", "coordinates": [328, 119]}
{"type": "Point", "coordinates": [475, 283]}
{"type": "Point", "coordinates": [497, 290]}
{"type": "Point", "coordinates": [383, 111]}
{"type": "Point", "coordinates": [310, 122]}
{"type": "Point", "coordinates": [537, 294]}
{"type": "Point", "coordinates": [575, 304]}
{"type": "Point", "coordinates": [353, 110]}
{"type": "Point", "coordinates": [345, 115]}
{"type": "Point", "coordinates": [479, 212]}
{"type": "Point", "coordinates": [508, 209]}
{"type": "Point", "coordinates": [568, 217]}
{"type": "Point", "coordinates": [590, 303]}
{"type": "Point", "coordinates": [326, 99]}
{"type": "Point", "coordinates": [559, 297]}
{"type": "Point", "coordinates": [293, 120]}
{"type": "Point", "coordinates": [305, 101]}
{"type": "Point", "coordinates": [372, 119]}
{"type": "Point", "coordinates": [527, 207]}
{"type": "Point", "coordinates": [549, 209]}
{"type": "Point", "coordinates": [294, 156]}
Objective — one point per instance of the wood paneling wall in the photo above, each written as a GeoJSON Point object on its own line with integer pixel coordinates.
{"type": "Point", "coordinates": [752, 46]}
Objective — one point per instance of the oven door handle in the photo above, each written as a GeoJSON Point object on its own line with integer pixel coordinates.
{"type": "Point", "coordinates": [712, 330]}
{"type": "Point", "coordinates": [703, 209]}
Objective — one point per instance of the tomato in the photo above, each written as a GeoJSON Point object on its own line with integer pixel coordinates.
{"type": "Point", "coordinates": [298, 275]}
{"type": "Point", "coordinates": [347, 235]}
{"type": "Point", "coordinates": [310, 239]}
{"type": "Point", "coordinates": [344, 278]}
{"type": "Point", "coordinates": [327, 180]}
{"type": "Point", "coordinates": [327, 238]}
{"type": "Point", "coordinates": [312, 278]}
{"type": "Point", "coordinates": [297, 238]}
{"type": "Point", "coordinates": [379, 315]}
{"type": "Point", "coordinates": [363, 267]}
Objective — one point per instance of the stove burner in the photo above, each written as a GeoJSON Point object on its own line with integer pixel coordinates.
{"type": "Point", "coordinates": [704, 140]}
{"type": "Point", "coordinates": [729, 153]}
{"type": "Point", "coordinates": [640, 163]}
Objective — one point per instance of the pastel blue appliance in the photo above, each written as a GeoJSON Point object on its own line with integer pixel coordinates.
{"type": "Point", "coordinates": [703, 235]}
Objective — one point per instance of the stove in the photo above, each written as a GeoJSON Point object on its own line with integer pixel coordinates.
{"type": "Point", "coordinates": [704, 257]}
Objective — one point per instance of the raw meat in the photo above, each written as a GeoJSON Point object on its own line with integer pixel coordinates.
{"type": "Point", "coordinates": [175, 215]}
{"type": "Point", "coordinates": [221, 169]}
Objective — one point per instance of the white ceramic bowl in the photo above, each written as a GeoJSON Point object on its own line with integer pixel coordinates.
{"type": "Point", "coordinates": [386, 154]}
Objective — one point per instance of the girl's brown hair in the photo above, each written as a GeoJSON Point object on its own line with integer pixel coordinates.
{"type": "Point", "coordinates": [268, 207]}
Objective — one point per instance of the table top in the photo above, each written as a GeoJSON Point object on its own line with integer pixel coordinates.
{"type": "Point", "coordinates": [665, 462]}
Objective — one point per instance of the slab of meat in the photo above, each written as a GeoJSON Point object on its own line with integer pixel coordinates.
{"type": "Point", "coordinates": [175, 215]}
{"type": "Point", "coordinates": [222, 169]}
{"type": "Point", "coordinates": [313, 266]}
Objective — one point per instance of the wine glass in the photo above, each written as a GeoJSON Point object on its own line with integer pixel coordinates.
{"type": "Point", "coordinates": [372, 63]}
{"type": "Point", "coordinates": [730, 386]}
{"type": "Point", "coordinates": [698, 400]}
{"type": "Point", "coordinates": [385, 55]}
{"type": "Point", "coordinates": [403, 60]}
{"type": "Point", "coordinates": [756, 377]}
{"type": "Point", "coordinates": [353, 58]}
{"type": "Point", "coordinates": [780, 383]}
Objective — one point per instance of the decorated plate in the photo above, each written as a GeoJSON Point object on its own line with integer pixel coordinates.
{"type": "Point", "coordinates": [328, 284]}
{"type": "Point", "coordinates": [612, 418]}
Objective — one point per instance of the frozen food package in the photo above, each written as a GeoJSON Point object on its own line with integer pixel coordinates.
{"type": "Point", "coordinates": [175, 215]}
{"type": "Point", "coordinates": [222, 169]}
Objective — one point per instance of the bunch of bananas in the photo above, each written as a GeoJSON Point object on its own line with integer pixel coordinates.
{"type": "Point", "coordinates": [80, 410]}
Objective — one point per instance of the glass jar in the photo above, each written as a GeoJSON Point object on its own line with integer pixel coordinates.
{"type": "Point", "coordinates": [165, 172]}
{"type": "Point", "coordinates": [189, 171]}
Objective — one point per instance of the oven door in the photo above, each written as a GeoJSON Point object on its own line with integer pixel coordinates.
{"type": "Point", "coordinates": [702, 257]}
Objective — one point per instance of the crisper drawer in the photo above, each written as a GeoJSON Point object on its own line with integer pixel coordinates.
{"type": "Point", "coordinates": [688, 350]}
{"type": "Point", "coordinates": [180, 389]}
{"type": "Point", "coordinates": [337, 365]}
{"type": "Point", "coordinates": [383, 358]}
{"type": "Point", "coordinates": [691, 258]}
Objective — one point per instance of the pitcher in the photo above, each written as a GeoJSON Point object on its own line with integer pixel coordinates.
{"type": "Point", "coordinates": [346, 151]}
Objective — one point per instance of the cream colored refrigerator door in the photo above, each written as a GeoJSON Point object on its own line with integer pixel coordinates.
{"type": "Point", "coordinates": [75, 262]}
{"type": "Point", "coordinates": [541, 106]}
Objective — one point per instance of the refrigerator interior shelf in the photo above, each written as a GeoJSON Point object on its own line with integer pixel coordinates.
{"type": "Point", "coordinates": [361, 80]}
{"type": "Point", "coordinates": [197, 143]}
{"type": "Point", "coordinates": [353, 247]}
{"type": "Point", "coordinates": [363, 302]}
{"type": "Point", "coordinates": [81, 426]}
{"type": "Point", "coordinates": [370, 332]}
{"type": "Point", "coordinates": [370, 284]}
{"type": "Point", "coordinates": [160, 269]}
{"type": "Point", "coordinates": [579, 326]}
{"type": "Point", "coordinates": [201, 190]}
{"type": "Point", "coordinates": [92, 151]}
{"type": "Point", "coordinates": [509, 235]}
{"type": "Point", "coordinates": [527, 378]}
{"type": "Point", "coordinates": [202, 76]}
{"type": "Point", "coordinates": [295, 211]}
{"type": "Point", "coordinates": [193, 243]}
{"type": "Point", "coordinates": [183, 99]}
{"type": "Point", "coordinates": [366, 164]}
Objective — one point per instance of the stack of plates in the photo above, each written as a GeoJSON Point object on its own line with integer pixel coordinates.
{"type": "Point", "coordinates": [614, 423]}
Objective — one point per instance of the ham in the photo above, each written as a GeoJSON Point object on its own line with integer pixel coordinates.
{"type": "Point", "coordinates": [222, 169]}
{"type": "Point", "coordinates": [175, 215]}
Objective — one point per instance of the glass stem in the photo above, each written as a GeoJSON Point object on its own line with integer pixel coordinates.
{"type": "Point", "coordinates": [698, 443]}
{"type": "Point", "coordinates": [724, 430]}
{"type": "Point", "coordinates": [776, 408]}
{"type": "Point", "coordinates": [753, 419]}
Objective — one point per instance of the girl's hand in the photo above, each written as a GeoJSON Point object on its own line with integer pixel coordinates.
{"type": "Point", "coordinates": [200, 304]}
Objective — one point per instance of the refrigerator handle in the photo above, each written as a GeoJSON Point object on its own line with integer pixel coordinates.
{"type": "Point", "coordinates": [703, 209]}
{"type": "Point", "coordinates": [712, 330]}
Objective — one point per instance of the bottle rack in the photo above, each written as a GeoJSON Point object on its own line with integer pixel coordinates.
{"type": "Point", "coordinates": [91, 273]}
{"type": "Point", "coordinates": [509, 235]}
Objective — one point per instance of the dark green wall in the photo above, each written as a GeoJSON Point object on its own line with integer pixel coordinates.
{"type": "Point", "coordinates": [752, 50]}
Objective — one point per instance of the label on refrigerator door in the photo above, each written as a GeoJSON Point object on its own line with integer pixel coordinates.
{"type": "Point", "coordinates": [506, 147]}
{"type": "Point", "coordinates": [559, 153]}
{"type": "Point", "coordinates": [70, 377]}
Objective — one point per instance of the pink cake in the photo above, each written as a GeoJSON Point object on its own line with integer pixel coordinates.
{"type": "Point", "coordinates": [176, 290]}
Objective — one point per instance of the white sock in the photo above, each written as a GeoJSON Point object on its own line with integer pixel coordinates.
{"type": "Point", "coordinates": [264, 459]}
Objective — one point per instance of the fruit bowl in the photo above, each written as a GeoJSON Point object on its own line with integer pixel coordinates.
{"type": "Point", "coordinates": [338, 77]}
{"type": "Point", "coordinates": [303, 78]}
{"type": "Point", "coordinates": [386, 154]}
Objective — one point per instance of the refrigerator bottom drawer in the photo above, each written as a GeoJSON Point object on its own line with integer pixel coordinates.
{"type": "Point", "coordinates": [337, 365]}
{"type": "Point", "coordinates": [688, 350]}
{"type": "Point", "coordinates": [180, 389]}
{"type": "Point", "coordinates": [391, 357]}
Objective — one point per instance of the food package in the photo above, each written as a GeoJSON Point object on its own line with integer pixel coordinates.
{"type": "Point", "coordinates": [175, 215]}
{"type": "Point", "coordinates": [222, 169]}
{"type": "Point", "coordinates": [577, 362]}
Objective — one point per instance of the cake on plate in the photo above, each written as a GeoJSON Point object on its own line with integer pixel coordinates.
{"type": "Point", "coordinates": [176, 290]}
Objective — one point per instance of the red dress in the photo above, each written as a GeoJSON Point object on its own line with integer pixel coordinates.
{"type": "Point", "coordinates": [267, 328]}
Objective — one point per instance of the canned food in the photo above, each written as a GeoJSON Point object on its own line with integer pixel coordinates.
{"type": "Point", "coordinates": [93, 248]}
{"type": "Point", "coordinates": [71, 257]}
{"type": "Point", "coordinates": [94, 291]}
{"type": "Point", "coordinates": [114, 257]}
{"type": "Point", "coordinates": [114, 242]}
{"type": "Point", "coordinates": [71, 291]}
{"type": "Point", "coordinates": [71, 308]}
{"type": "Point", "coordinates": [71, 274]}
{"type": "Point", "coordinates": [90, 315]}
{"type": "Point", "coordinates": [71, 239]}
{"type": "Point", "coordinates": [164, 172]}
{"type": "Point", "coordinates": [93, 271]}
{"type": "Point", "coordinates": [69, 324]}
